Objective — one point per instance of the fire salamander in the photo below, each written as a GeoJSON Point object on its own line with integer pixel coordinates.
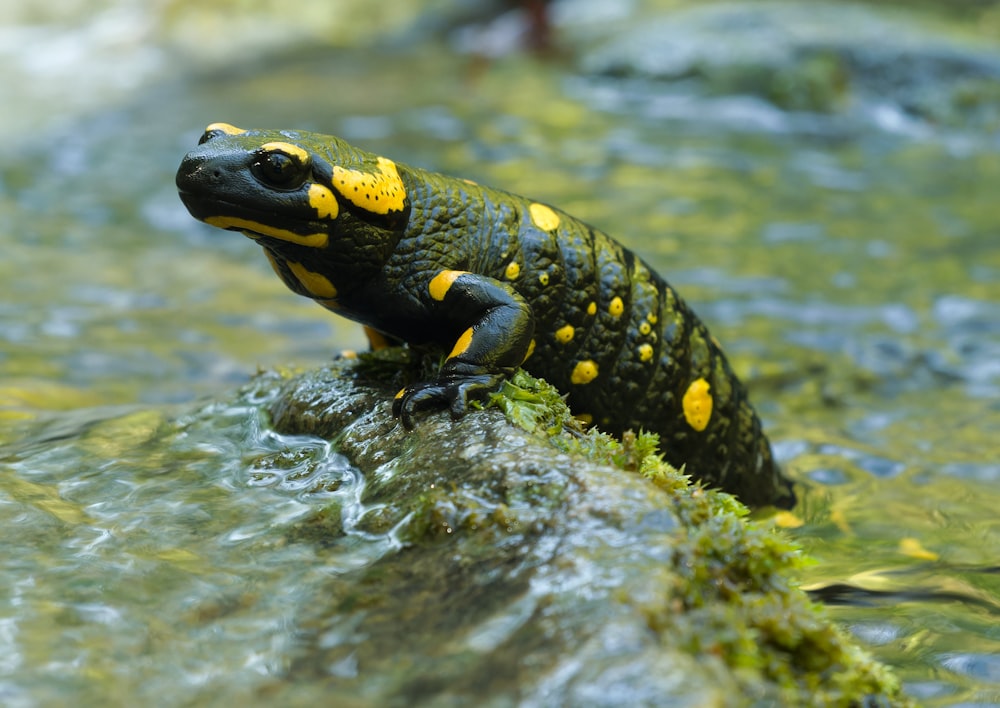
{"type": "Point", "coordinates": [497, 281]}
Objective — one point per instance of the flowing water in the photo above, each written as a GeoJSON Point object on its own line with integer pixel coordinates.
{"type": "Point", "coordinates": [152, 550]}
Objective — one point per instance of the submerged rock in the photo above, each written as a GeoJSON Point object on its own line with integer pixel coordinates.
{"type": "Point", "coordinates": [804, 66]}
{"type": "Point", "coordinates": [548, 567]}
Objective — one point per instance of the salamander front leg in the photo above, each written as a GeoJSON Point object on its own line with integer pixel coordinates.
{"type": "Point", "coordinates": [487, 352]}
{"type": "Point", "coordinates": [455, 395]}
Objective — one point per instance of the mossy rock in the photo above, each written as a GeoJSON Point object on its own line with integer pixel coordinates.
{"type": "Point", "coordinates": [536, 564]}
{"type": "Point", "coordinates": [833, 60]}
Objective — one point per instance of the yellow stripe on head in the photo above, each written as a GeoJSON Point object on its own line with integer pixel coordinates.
{"type": "Point", "coordinates": [317, 240]}
{"type": "Point", "coordinates": [289, 149]}
{"type": "Point", "coordinates": [224, 128]}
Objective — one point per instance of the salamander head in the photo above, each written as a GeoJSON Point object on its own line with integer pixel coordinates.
{"type": "Point", "coordinates": [288, 186]}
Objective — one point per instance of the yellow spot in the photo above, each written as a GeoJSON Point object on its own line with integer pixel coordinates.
{"type": "Point", "coordinates": [400, 393]}
{"type": "Point", "coordinates": [697, 403]}
{"type": "Point", "coordinates": [592, 309]}
{"type": "Point", "coordinates": [543, 217]}
{"type": "Point", "coordinates": [645, 352]}
{"type": "Point", "coordinates": [651, 317]}
{"type": "Point", "coordinates": [531, 350]}
{"type": "Point", "coordinates": [322, 200]}
{"type": "Point", "coordinates": [565, 334]}
{"type": "Point", "coordinates": [376, 340]}
{"type": "Point", "coordinates": [317, 240]}
{"type": "Point", "coordinates": [441, 283]}
{"type": "Point", "coordinates": [616, 307]}
{"type": "Point", "coordinates": [787, 520]}
{"type": "Point", "coordinates": [463, 343]}
{"type": "Point", "coordinates": [584, 372]}
{"type": "Point", "coordinates": [543, 278]}
{"type": "Point", "coordinates": [289, 149]}
{"type": "Point", "coordinates": [224, 128]}
{"type": "Point", "coordinates": [645, 329]}
{"type": "Point", "coordinates": [513, 270]}
{"type": "Point", "coordinates": [318, 285]}
{"type": "Point", "coordinates": [585, 418]}
{"type": "Point", "coordinates": [912, 547]}
{"type": "Point", "coordinates": [379, 192]}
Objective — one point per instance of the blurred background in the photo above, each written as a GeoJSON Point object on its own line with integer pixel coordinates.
{"type": "Point", "coordinates": [819, 179]}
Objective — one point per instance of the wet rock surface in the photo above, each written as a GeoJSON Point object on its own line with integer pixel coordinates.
{"type": "Point", "coordinates": [521, 570]}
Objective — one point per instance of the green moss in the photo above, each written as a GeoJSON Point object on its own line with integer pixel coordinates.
{"type": "Point", "coordinates": [730, 593]}
{"type": "Point", "coordinates": [534, 405]}
{"type": "Point", "coordinates": [324, 527]}
{"type": "Point", "coordinates": [439, 514]}
{"type": "Point", "coordinates": [399, 365]}
{"type": "Point", "coordinates": [531, 404]}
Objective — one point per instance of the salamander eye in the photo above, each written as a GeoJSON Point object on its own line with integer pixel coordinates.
{"type": "Point", "coordinates": [278, 170]}
{"type": "Point", "coordinates": [208, 135]}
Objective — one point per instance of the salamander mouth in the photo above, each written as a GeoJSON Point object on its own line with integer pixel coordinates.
{"type": "Point", "coordinates": [204, 208]}
{"type": "Point", "coordinates": [253, 222]}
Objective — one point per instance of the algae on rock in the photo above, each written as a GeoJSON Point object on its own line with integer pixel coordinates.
{"type": "Point", "coordinates": [547, 566]}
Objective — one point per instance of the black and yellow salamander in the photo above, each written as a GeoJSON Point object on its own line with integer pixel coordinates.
{"type": "Point", "coordinates": [497, 281]}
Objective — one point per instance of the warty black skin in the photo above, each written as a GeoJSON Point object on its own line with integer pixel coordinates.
{"type": "Point", "coordinates": [497, 280]}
